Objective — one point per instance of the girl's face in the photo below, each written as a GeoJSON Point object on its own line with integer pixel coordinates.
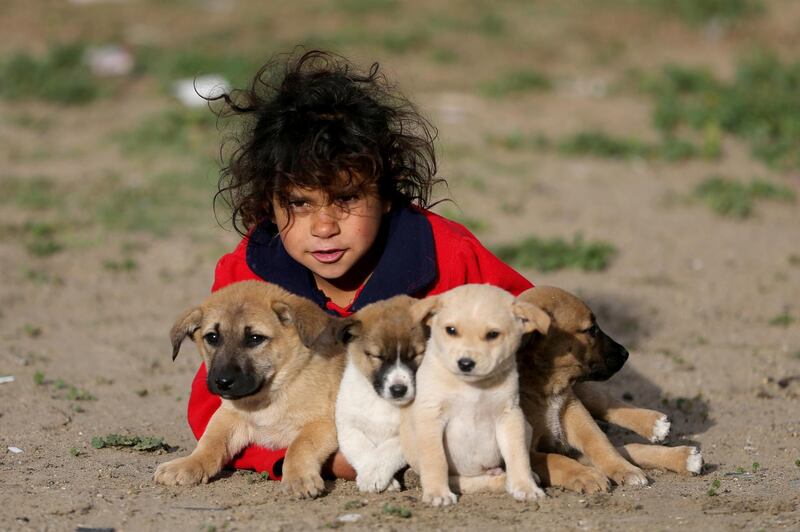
{"type": "Point", "coordinates": [331, 236]}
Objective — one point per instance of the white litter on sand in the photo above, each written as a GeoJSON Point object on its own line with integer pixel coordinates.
{"type": "Point", "coordinates": [15, 450]}
{"type": "Point", "coordinates": [348, 518]}
{"type": "Point", "coordinates": [195, 91]}
{"type": "Point", "coordinates": [109, 60]}
{"type": "Point", "coordinates": [7, 378]}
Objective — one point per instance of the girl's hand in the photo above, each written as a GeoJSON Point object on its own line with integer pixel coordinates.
{"type": "Point", "coordinates": [338, 467]}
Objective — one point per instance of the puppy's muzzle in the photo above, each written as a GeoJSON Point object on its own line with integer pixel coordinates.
{"type": "Point", "coordinates": [466, 364]}
{"type": "Point", "coordinates": [398, 391]}
{"type": "Point", "coordinates": [614, 357]}
{"type": "Point", "coordinates": [231, 382]}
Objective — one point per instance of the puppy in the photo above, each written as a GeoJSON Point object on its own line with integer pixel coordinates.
{"type": "Point", "coordinates": [466, 420]}
{"type": "Point", "coordinates": [576, 349]}
{"type": "Point", "coordinates": [278, 388]}
{"type": "Point", "coordinates": [384, 349]}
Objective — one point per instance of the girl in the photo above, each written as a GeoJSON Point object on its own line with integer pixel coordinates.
{"type": "Point", "coordinates": [329, 188]}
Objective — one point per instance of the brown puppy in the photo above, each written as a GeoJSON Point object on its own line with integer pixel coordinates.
{"type": "Point", "coordinates": [576, 349]}
{"type": "Point", "coordinates": [278, 386]}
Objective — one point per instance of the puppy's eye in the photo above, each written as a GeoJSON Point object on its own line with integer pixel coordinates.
{"type": "Point", "coordinates": [212, 339]}
{"type": "Point", "coordinates": [373, 355]}
{"type": "Point", "coordinates": [493, 335]}
{"type": "Point", "coordinates": [592, 331]}
{"type": "Point", "coordinates": [253, 340]}
{"type": "Point", "coordinates": [451, 330]}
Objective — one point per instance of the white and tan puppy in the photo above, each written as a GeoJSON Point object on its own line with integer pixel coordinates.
{"type": "Point", "coordinates": [384, 348]}
{"type": "Point", "coordinates": [466, 422]}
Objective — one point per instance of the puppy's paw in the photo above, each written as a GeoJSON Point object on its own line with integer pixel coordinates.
{"type": "Point", "coordinates": [375, 481]}
{"type": "Point", "coordinates": [394, 485]}
{"type": "Point", "coordinates": [587, 480]}
{"type": "Point", "coordinates": [660, 429]}
{"type": "Point", "coordinates": [308, 486]}
{"type": "Point", "coordinates": [185, 471]}
{"type": "Point", "coordinates": [439, 497]}
{"type": "Point", "coordinates": [525, 491]}
{"type": "Point", "coordinates": [694, 461]}
{"type": "Point", "coordinates": [628, 475]}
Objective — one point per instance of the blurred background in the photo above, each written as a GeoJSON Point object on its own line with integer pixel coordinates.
{"type": "Point", "coordinates": [642, 153]}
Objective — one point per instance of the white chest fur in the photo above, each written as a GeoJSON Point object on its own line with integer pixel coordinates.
{"type": "Point", "coordinates": [358, 407]}
{"type": "Point", "coordinates": [470, 415]}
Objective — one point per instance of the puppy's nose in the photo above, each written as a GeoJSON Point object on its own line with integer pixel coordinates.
{"type": "Point", "coordinates": [398, 390]}
{"type": "Point", "coordinates": [466, 364]}
{"type": "Point", "coordinates": [224, 383]}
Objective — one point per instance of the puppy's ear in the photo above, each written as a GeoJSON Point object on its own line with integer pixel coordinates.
{"type": "Point", "coordinates": [423, 310]}
{"type": "Point", "coordinates": [186, 324]}
{"type": "Point", "coordinates": [349, 330]}
{"type": "Point", "coordinates": [307, 318]}
{"type": "Point", "coordinates": [532, 317]}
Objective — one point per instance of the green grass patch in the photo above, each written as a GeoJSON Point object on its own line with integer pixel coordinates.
{"type": "Point", "coordinates": [491, 24]}
{"type": "Point", "coordinates": [366, 6]}
{"type": "Point", "coordinates": [179, 131]}
{"type": "Point", "coordinates": [556, 254]}
{"type": "Point", "coordinates": [736, 199]}
{"type": "Point", "coordinates": [168, 65]}
{"type": "Point", "coordinates": [40, 239]}
{"type": "Point", "coordinates": [72, 393]}
{"type": "Point", "coordinates": [123, 265]}
{"type": "Point", "coordinates": [596, 143]}
{"type": "Point", "coordinates": [36, 192]}
{"type": "Point", "coordinates": [167, 201]}
{"type": "Point", "coordinates": [59, 76]}
{"type": "Point", "coordinates": [137, 443]}
{"type": "Point", "coordinates": [760, 105]}
{"type": "Point", "coordinates": [702, 11]}
{"type": "Point", "coordinates": [399, 511]}
{"type": "Point", "coordinates": [783, 319]}
{"type": "Point", "coordinates": [516, 82]}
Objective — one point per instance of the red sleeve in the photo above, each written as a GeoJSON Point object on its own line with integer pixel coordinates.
{"type": "Point", "coordinates": [231, 268]}
{"type": "Point", "coordinates": [462, 259]}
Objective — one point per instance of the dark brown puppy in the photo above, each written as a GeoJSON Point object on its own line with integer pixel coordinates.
{"type": "Point", "coordinates": [576, 349]}
{"type": "Point", "coordinates": [277, 382]}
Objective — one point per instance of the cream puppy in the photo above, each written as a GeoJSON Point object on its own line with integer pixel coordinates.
{"type": "Point", "coordinates": [384, 348]}
{"type": "Point", "coordinates": [466, 422]}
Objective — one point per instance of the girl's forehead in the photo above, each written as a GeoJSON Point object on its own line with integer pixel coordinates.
{"type": "Point", "coordinates": [343, 184]}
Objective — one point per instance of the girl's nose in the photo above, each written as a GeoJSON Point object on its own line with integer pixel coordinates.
{"type": "Point", "coordinates": [325, 222]}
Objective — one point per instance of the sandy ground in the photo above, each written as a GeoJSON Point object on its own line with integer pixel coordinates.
{"type": "Point", "coordinates": [690, 293]}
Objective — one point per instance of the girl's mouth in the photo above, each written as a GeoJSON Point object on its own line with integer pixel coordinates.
{"type": "Point", "coordinates": [328, 256]}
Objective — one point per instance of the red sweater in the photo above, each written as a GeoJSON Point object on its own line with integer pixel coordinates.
{"type": "Point", "coordinates": [424, 254]}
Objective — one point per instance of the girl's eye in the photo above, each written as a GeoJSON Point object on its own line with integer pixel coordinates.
{"type": "Point", "coordinates": [299, 205]}
{"type": "Point", "coordinates": [451, 330]}
{"type": "Point", "coordinates": [212, 339]}
{"type": "Point", "coordinates": [253, 340]}
{"type": "Point", "coordinates": [492, 335]}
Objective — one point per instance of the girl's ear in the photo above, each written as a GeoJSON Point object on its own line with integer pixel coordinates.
{"type": "Point", "coordinates": [387, 206]}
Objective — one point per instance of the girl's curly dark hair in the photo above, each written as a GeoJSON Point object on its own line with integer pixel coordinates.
{"type": "Point", "coordinates": [310, 120]}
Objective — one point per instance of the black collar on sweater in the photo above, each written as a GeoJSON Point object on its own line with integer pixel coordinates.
{"type": "Point", "coordinates": [407, 264]}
